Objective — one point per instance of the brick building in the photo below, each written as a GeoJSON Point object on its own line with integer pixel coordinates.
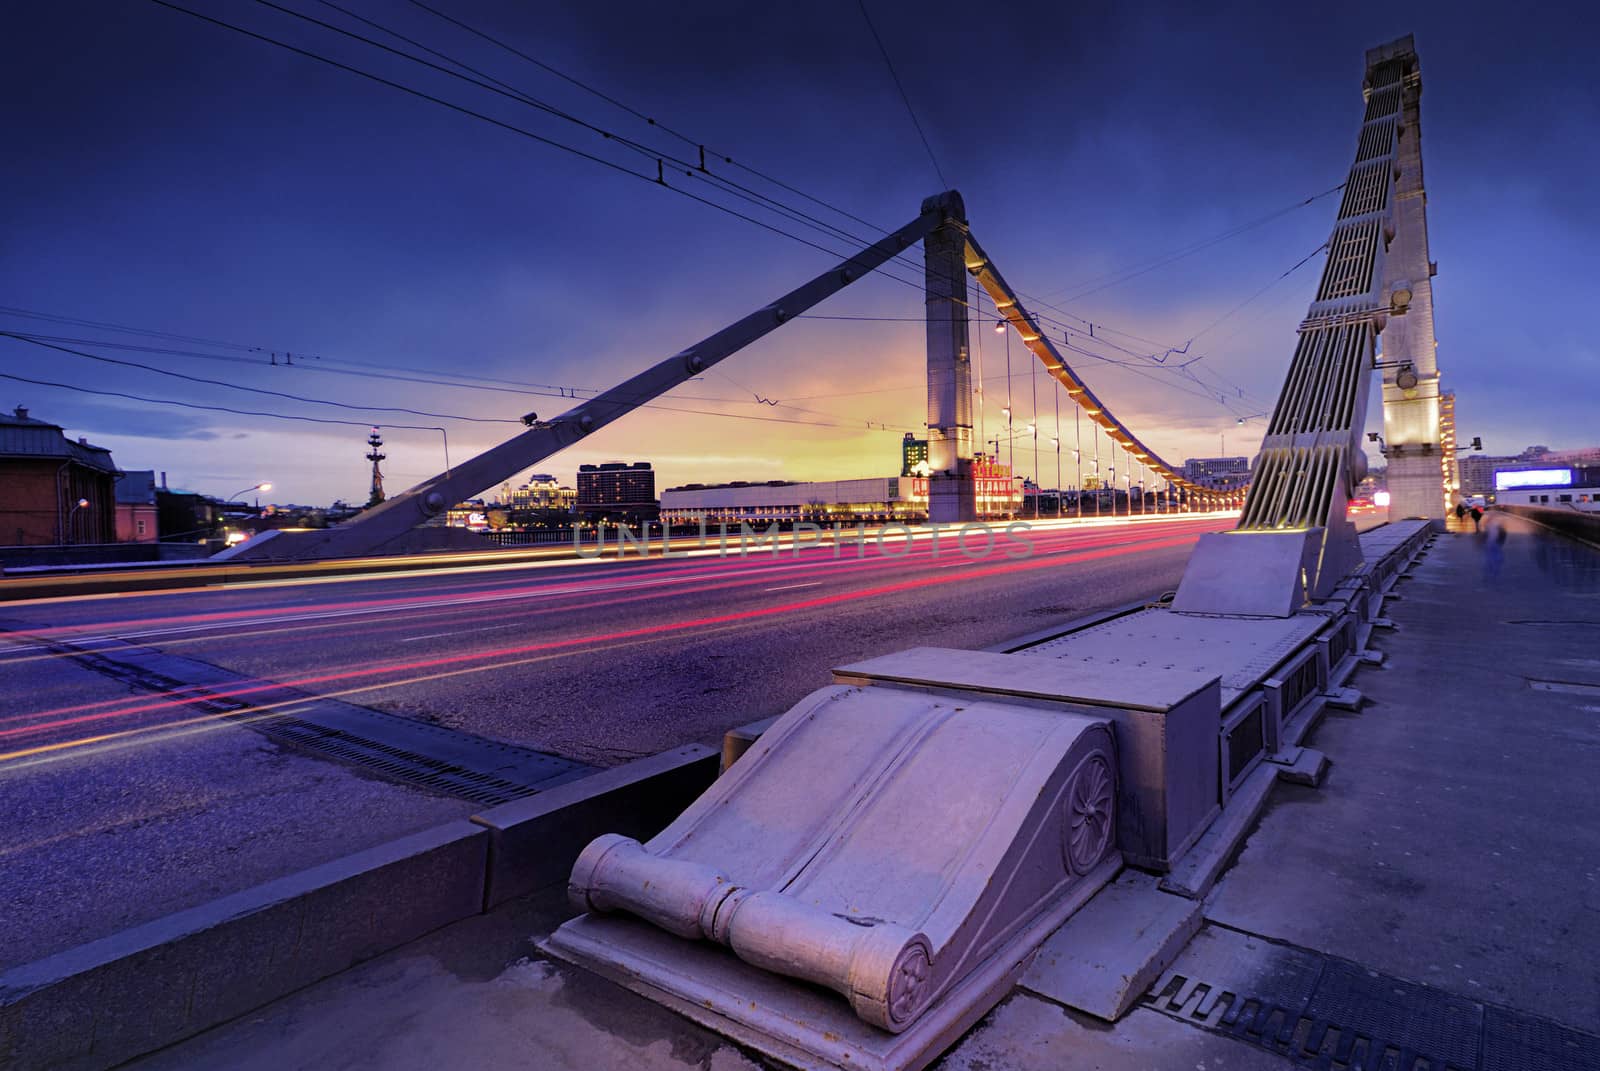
{"type": "Point", "coordinates": [44, 476]}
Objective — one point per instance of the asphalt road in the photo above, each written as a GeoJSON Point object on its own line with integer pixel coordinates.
{"type": "Point", "coordinates": [596, 661]}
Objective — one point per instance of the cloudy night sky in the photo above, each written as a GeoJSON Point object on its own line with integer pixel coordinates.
{"type": "Point", "coordinates": [172, 176]}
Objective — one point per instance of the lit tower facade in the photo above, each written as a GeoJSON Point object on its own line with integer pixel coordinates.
{"type": "Point", "coordinates": [1447, 448]}
{"type": "Point", "coordinates": [375, 454]}
{"type": "Point", "coordinates": [1411, 425]}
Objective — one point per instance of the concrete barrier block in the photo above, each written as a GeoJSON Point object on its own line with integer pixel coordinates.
{"type": "Point", "coordinates": [533, 842]}
{"type": "Point", "coordinates": [108, 1001]}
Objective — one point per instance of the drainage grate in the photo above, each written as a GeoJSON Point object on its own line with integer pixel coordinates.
{"type": "Point", "coordinates": [459, 764]}
{"type": "Point", "coordinates": [1327, 1012]}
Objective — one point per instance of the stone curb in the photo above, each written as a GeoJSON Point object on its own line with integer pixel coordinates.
{"type": "Point", "coordinates": [533, 842]}
{"type": "Point", "coordinates": [108, 1001]}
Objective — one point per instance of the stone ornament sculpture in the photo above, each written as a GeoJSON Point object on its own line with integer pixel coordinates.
{"type": "Point", "coordinates": [881, 968]}
{"type": "Point", "coordinates": [906, 848]}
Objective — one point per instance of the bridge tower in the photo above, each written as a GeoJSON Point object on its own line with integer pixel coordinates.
{"type": "Point", "coordinates": [1419, 464]}
{"type": "Point", "coordinates": [1294, 542]}
{"type": "Point", "coordinates": [951, 497]}
{"type": "Point", "coordinates": [375, 455]}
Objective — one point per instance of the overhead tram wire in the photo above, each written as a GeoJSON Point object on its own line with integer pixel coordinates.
{"type": "Point", "coordinates": [485, 81]}
{"type": "Point", "coordinates": [744, 192]}
{"type": "Point", "coordinates": [910, 111]}
{"type": "Point", "coordinates": [254, 390]}
{"type": "Point", "coordinates": [836, 420]}
{"type": "Point", "coordinates": [649, 120]}
{"type": "Point", "coordinates": [1133, 271]}
{"type": "Point", "coordinates": [212, 408]}
{"type": "Point", "coordinates": [541, 390]}
{"type": "Point", "coordinates": [1280, 277]}
{"type": "Point", "coordinates": [859, 425]}
{"type": "Point", "coordinates": [689, 170]}
{"type": "Point", "coordinates": [658, 180]}
{"type": "Point", "coordinates": [496, 384]}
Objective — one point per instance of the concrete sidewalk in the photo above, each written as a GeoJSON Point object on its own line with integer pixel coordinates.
{"type": "Point", "coordinates": [1437, 896]}
{"type": "Point", "coordinates": [1454, 842]}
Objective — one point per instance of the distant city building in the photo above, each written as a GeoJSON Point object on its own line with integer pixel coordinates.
{"type": "Point", "coordinates": [136, 507]}
{"type": "Point", "coordinates": [1550, 485]}
{"type": "Point", "coordinates": [616, 490]}
{"type": "Point", "coordinates": [1478, 471]}
{"type": "Point", "coordinates": [1218, 473]}
{"type": "Point", "coordinates": [870, 500]}
{"type": "Point", "coordinates": [472, 514]}
{"type": "Point", "coordinates": [913, 456]}
{"type": "Point", "coordinates": [543, 491]}
{"type": "Point", "coordinates": [44, 476]}
{"type": "Point", "coordinates": [186, 517]}
{"type": "Point", "coordinates": [881, 498]}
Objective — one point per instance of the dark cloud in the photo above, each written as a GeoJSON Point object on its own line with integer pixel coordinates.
{"type": "Point", "coordinates": [93, 421]}
{"type": "Point", "coordinates": [168, 174]}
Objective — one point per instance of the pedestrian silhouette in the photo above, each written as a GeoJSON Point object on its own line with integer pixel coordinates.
{"type": "Point", "coordinates": [1494, 551]}
{"type": "Point", "coordinates": [1477, 516]}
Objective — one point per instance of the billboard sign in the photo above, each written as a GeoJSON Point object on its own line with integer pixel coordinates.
{"type": "Point", "coordinates": [1506, 481]}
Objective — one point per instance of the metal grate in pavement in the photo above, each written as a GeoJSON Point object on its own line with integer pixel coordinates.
{"type": "Point", "coordinates": [1326, 1012]}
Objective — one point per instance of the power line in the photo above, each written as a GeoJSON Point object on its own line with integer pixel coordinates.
{"type": "Point", "coordinates": [498, 385]}
{"type": "Point", "coordinates": [504, 89]}
{"type": "Point", "coordinates": [31, 340]}
{"type": "Point", "coordinates": [912, 112]}
{"type": "Point", "coordinates": [722, 184]}
{"type": "Point", "coordinates": [1133, 271]}
{"type": "Point", "coordinates": [649, 120]}
{"type": "Point", "coordinates": [836, 422]}
{"type": "Point", "coordinates": [718, 182]}
{"type": "Point", "coordinates": [212, 408]}
{"type": "Point", "coordinates": [1275, 281]}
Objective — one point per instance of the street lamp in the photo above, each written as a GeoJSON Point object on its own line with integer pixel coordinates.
{"type": "Point", "coordinates": [82, 503]}
{"type": "Point", "coordinates": [252, 487]}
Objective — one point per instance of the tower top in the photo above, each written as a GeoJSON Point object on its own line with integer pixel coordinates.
{"type": "Point", "coordinates": [1400, 46]}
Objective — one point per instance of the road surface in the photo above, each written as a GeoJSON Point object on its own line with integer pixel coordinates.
{"type": "Point", "coordinates": [160, 750]}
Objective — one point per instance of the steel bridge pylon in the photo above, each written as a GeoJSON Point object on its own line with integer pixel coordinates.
{"type": "Point", "coordinates": [949, 250]}
{"type": "Point", "coordinates": [951, 496]}
{"type": "Point", "coordinates": [1294, 542]}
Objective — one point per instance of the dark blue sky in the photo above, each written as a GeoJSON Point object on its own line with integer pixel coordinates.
{"type": "Point", "coordinates": [168, 174]}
